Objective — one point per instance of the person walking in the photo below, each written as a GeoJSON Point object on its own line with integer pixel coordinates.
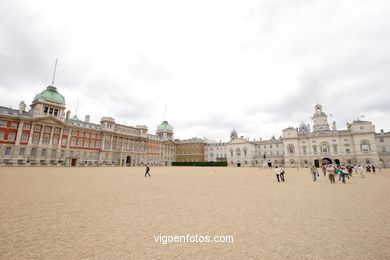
{"type": "Point", "coordinates": [350, 170]}
{"type": "Point", "coordinates": [278, 171]}
{"type": "Point", "coordinates": [340, 172]}
{"type": "Point", "coordinates": [360, 170]}
{"type": "Point", "coordinates": [324, 169]}
{"type": "Point", "coordinates": [282, 174]}
{"type": "Point", "coordinates": [331, 170]}
{"type": "Point", "coordinates": [147, 171]}
{"type": "Point", "coordinates": [314, 172]}
{"type": "Point", "coordinates": [373, 168]}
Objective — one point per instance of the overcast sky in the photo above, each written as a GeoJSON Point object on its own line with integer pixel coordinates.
{"type": "Point", "coordinates": [256, 66]}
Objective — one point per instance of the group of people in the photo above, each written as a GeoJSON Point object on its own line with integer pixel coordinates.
{"type": "Point", "coordinates": [342, 171]}
{"type": "Point", "coordinates": [280, 174]}
{"type": "Point", "coordinates": [370, 168]}
{"type": "Point", "coordinates": [332, 170]}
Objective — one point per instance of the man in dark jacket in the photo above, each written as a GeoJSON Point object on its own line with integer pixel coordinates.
{"type": "Point", "coordinates": [147, 171]}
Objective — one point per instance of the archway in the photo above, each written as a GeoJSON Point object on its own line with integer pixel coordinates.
{"type": "Point", "coordinates": [269, 164]}
{"type": "Point", "coordinates": [317, 163]}
{"type": "Point", "coordinates": [128, 160]}
{"type": "Point", "coordinates": [326, 161]}
{"type": "Point", "coordinates": [337, 161]}
{"type": "Point", "coordinates": [238, 164]}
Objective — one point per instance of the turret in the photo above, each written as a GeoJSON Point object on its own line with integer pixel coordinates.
{"type": "Point", "coordinates": [22, 107]}
{"type": "Point", "coordinates": [49, 103]}
{"type": "Point", "coordinates": [165, 131]}
{"type": "Point", "coordinates": [233, 135]}
{"type": "Point", "coordinates": [320, 120]}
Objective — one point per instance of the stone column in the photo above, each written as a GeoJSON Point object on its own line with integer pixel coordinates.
{"type": "Point", "coordinates": [51, 136]}
{"type": "Point", "coordinates": [41, 135]}
{"type": "Point", "coordinates": [19, 133]}
{"type": "Point", "coordinates": [69, 137]}
{"type": "Point", "coordinates": [59, 147]}
{"type": "Point", "coordinates": [111, 141]}
{"type": "Point", "coordinates": [15, 150]}
{"type": "Point", "coordinates": [31, 134]}
{"type": "Point", "coordinates": [102, 145]}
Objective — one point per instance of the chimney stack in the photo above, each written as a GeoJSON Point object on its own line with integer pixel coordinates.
{"type": "Point", "coordinates": [67, 114]}
{"type": "Point", "coordinates": [87, 118]}
{"type": "Point", "coordinates": [22, 107]}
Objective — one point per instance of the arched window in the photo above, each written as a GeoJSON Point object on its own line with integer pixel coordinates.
{"type": "Point", "coordinates": [365, 146]}
{"type": "Point", "coordinates": [290, 149]}
{"type": "Point", "coordinates": [324, 147]}
{"type": "Point", "coordinates": [292, 162]}
{"type": "Point", "coordinates": [238, 152]}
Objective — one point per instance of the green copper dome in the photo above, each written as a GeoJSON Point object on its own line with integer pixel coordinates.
{"type": "Point", "coordinates": [165, 127]}
{"type": "Point", "coordinates": [51, 94]}
{"type": "Point", "coordinates": [75, 118]}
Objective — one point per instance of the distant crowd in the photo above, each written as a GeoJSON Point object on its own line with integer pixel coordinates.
{"type": "Point", "coordinates": [332, 170]}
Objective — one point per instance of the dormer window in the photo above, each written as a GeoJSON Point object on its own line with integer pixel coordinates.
{"type": "Point", "coordinates": [55, 112]}
{"type": "Point", "coordinates": [51, 111]}
{"type": "Point", "coordinates": [45, 110]}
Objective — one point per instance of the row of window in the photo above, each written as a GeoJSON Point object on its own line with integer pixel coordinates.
{"type": "Point", "coordinates": [85, 134]}
{"type": "Point", "coordinates": [325, 148]}
{"type": "Point", "coordinates": [270, 146]}
{"type": "Point", "coordinates": [13, 125]}
{"type": "Point", "coordinates": [218, 155]}
{"type": "Point", "coordinates": [10, 138]}
{"type": "Point", "coordinates": [83, 143]}
{"type": "Point", "coordinates": [33, 153]}
{"type": "Point", "coordinates": [217, 149]}
{"type": "Point", "coordinates": [189, 152]}
{"type": "Point", "coordinates": [50, 111]}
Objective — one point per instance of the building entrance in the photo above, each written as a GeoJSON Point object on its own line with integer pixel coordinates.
{"type": "Point", "coordinates": [74, 161]}
{"type": "Point", "coordinates": [128, 160]}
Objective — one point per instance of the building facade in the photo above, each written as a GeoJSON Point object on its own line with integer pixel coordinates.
{"type": "Point", "coordinates": [383, 143]}
{"type": "Point", "coordinates": [190, 150]}
{"type": "Point", "coordinates": [216, 152]}
{"type": "Point", "coordinates": [302, 147]}
{"type": "Point", "coordinates": [354, 145]}
{"type": "Point", "coordinates": [257, 153]}
{"type": "Point", "coordinates": [46, 135]}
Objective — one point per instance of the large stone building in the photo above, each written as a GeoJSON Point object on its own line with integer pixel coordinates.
{"type": "Point", "coordinates": [215, 151]}
{"type": "Point", "coordinates": [244, 152]}
{"type": "Point", "coordinates": [301, 146]}
{"type": "Point", "coordinates": [190, 150]}
{"type": "Point", "coordinates": [383, 144]}
{"type": "Point", "coordinates": [46, 135]}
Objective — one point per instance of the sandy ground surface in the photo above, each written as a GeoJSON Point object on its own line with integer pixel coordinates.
{"type": "Point", "coordinates": [106, 213]}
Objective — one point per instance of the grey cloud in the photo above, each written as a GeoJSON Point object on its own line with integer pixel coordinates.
{"type": "Point", "coordinates": [144, 67]}
{"type": "Point", "coordinates": [28, 47]}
